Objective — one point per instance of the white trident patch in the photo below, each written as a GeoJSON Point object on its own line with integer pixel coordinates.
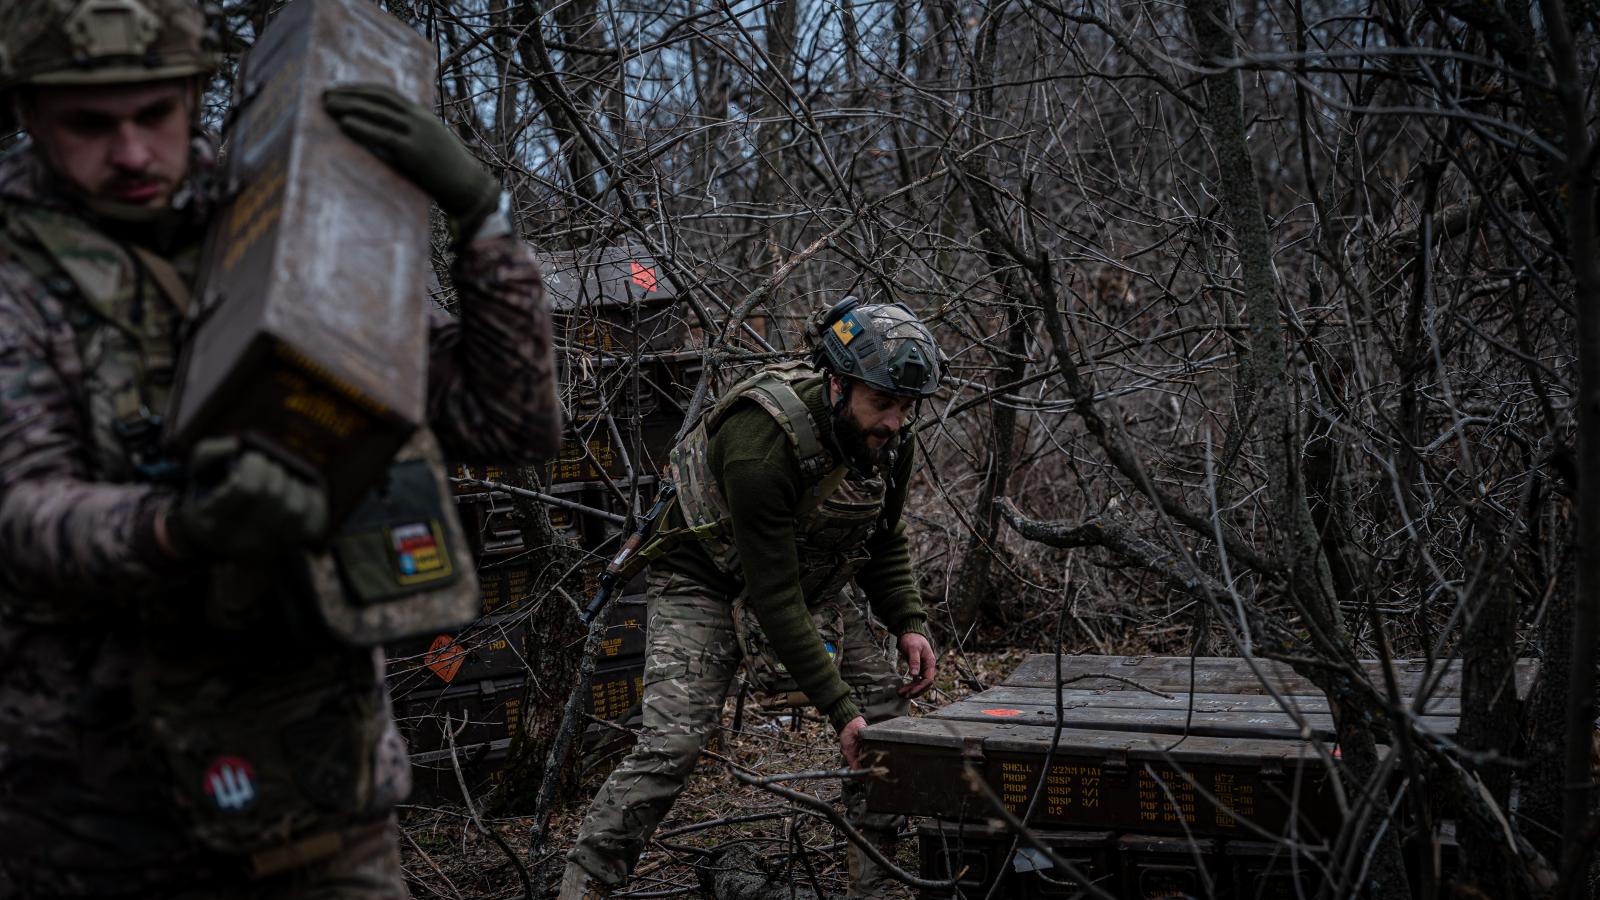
{"type": "Point", "coordinates": [231, 783]}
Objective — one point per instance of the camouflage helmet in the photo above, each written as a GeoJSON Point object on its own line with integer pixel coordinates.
{"type": "Point", "coordinates": [882, 345]}
{"type": "Point", "coordinates": [103, 41]}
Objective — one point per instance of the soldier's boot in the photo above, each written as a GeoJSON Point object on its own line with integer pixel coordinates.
{"type": "Point", "coordinates": [868, 879]}
{"type": "Point", "coordinates": [578, 884]}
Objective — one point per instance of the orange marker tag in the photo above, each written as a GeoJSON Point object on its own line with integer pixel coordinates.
{"type": "Point", "coordinates": [644, 276]}
{"type": "Point", "coordinates": [1002, 713]}
{"type": "Point", "coordinates": [445, 657]}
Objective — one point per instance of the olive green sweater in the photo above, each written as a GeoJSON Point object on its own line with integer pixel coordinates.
{"type": "Point", "coordinates": [758, 471]}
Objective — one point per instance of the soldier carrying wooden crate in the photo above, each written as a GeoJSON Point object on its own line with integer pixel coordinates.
{"type": "Point", "coordinates": [180, 716]}
{"type": "Point", "coordinates": [789, 488]}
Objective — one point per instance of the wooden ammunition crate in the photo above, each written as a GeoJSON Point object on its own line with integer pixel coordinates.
{"type": "Point", "coordinates": [593, 532]}
{"type": "Point", "coordinates": [473, 511]}
{"type": "Point", "coordinates": [594, 450]}
{"type": "Point", "coordinates": [477, 713]}
{"type": "Point", "coordinates": [314, 339]}
{"type": "Point", "coordinates": [1204, 756]}
{"type": "Point", "coordinates": [615, 690]}
{"type": "Point", "coordinates": [482, 473]}
{"type": "Point", "coordinates": [493, 647]}
{"type": "Point", "coordinates": [491, 522]}
{"type": "Point", "coordinates": [625, 630]}
{"type": "Point", "coordinates": [492, 525]}
{"type": "Point", "coordinates": [1257, 870]}
{"type": "Point", "coordinates": [975, 855]}
{"type": "Point", "coordinates": [611, 277]}
{"type": "Point", "coordinates": [650, 388]}
{"type": "Point", "coordinates": [602, 536]}
{"type": "Point", "coordinates": [506, 579]}
{"type": "Point", "coordinates": [433, 774]}
{"type": "Point", "coordinates": [1228, 675]}
{"type": "Point", "coordinates": [1104, 779]}
{"type": "Point", "coordinates": [622, 330]}
{"type": "Point", "coordinates": [1209, 715]}
{"type": "Point", "coordinates": [1162, 867]}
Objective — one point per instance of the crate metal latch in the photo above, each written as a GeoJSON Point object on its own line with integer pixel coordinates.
{"type": "Point", "coordinates": [1271, 767]}
{"type": "Point", "coordinates": [972, 750]}
{"type": "Point", "coordinates": [1115, 766]}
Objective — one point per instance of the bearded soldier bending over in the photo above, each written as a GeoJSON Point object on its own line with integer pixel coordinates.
{"type": "Point", "coordinates": [789, 488]}
{"type": "Point", "coordinates": [159, 737]}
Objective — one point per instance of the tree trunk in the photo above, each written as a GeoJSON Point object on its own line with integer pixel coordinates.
{"type": "Point", "coordinates": [1583, 256]}
{"type": "Point", "coordinates": [1297, 543]}
{"type": "Point", "coordinates": [1542, 783]}
{"type": "Point", "coordinates": [771, 173]}
{"type": "Point", "coordinates": [973, 579]}
{"type": "Point", "coordinates": [1489, 721]}
{"type": "Point", "coordinates": [583, 169]}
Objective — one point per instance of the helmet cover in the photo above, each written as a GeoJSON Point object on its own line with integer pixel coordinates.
{"type": "Point", "coordinates": [103, 41]}
{"type": "Point", "coordinates": [882, 345]}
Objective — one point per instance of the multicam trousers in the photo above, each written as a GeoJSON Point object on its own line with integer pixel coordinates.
{"type": "Point", "coordinates": [691, 658]}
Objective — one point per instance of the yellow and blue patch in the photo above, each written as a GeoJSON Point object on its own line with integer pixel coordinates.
{"type": "Point", "coordinates": [846, 328]}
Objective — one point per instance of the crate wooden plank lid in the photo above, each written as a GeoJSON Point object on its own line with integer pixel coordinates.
{"type": "Point", "coordinates": [603, 277]}
{"type": "Point", "coordinates": [995, 829]}
{"type": "Point", "coordinates": [1209, 722]}
{"type": "Point", "coordinates": [964, 737]}
{"type": "Point", "coordinates": [1230, 675]}
{"type": "Point", "coordinates": [1073, 697]}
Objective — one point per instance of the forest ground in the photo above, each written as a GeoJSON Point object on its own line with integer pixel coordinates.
{"type": "Point", "coordinates": [447, 856]}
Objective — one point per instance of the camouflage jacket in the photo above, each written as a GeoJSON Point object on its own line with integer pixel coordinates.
{"type": "Point", "coordinates": [83, 807]}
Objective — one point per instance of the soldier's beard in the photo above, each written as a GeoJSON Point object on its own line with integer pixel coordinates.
{"type": "Point", "coordinates": [852, 440]}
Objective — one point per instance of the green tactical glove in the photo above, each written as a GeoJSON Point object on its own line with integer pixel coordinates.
{"type": "Point", "coordinates": [241, 505]}
{"type": "Point", "coordinates": [418, 146]}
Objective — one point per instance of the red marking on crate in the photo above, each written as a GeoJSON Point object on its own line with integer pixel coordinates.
{"type": "Point", "coordinates": [1002, 713]}
{"type": "Point", "coordinates": [445, 657]}
{"type": "Point", "coordinates": [644, 276]}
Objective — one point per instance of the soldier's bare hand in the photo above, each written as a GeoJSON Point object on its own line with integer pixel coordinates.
{"type": "Point", "coordinates": [921, 664]}
{"type": "Point", "coordinates": [850, 742]}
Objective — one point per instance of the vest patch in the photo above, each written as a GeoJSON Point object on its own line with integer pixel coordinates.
{"type": "Point", "coordinates": [417, 552]}
{"type": "Point", "coordinates": [230, 782]}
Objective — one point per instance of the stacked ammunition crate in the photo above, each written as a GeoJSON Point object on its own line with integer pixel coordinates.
{"type": "Point", "coordinates": [627, 381]}
{"type": "Point", "coordinates": [458, 697]}
{"type": "Point", "coordinates": [625, 386]}
{"type": "Point", "coordinates": [1158, 777]}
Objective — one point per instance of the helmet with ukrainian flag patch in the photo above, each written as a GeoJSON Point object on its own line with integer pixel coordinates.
{"type": "Point", "coordinates": [881, 345]}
